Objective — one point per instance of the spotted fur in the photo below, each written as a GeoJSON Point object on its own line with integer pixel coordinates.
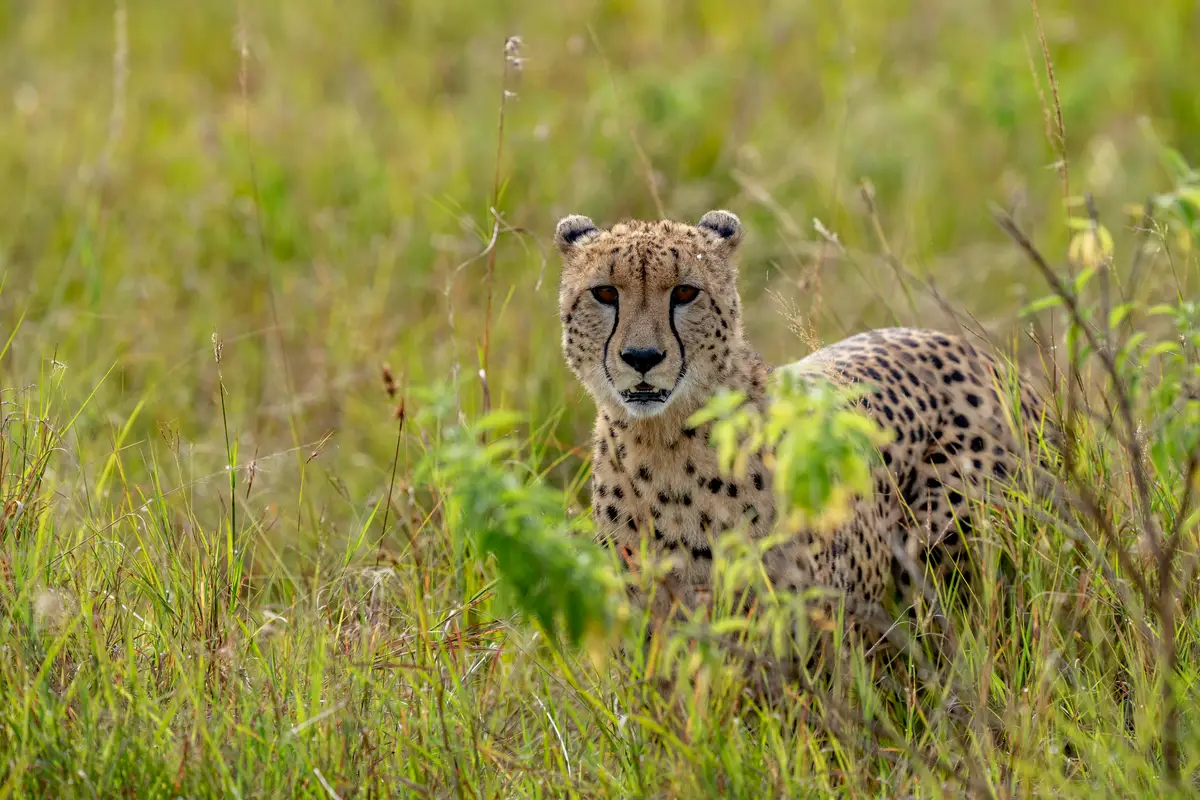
{"type": "Point", "coordinates": [655, 479]}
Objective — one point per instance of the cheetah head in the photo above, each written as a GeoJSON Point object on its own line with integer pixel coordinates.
{"type": "Point", "coordinates": [650, 310]}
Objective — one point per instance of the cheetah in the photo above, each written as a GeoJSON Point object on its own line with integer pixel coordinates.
{"type": "Point", "coordinates": [652, 327]}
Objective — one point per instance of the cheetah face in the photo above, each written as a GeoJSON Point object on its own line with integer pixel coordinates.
{"type": "Point", "coordinates": [649, 309]}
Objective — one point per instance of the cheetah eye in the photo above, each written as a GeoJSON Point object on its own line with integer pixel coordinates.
{"type": "Point", "coordinates": [683, 294]}
{"type": "Point", "coordinates": [606, 295]}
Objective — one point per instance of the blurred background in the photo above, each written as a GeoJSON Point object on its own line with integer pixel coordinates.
{"type": "Point", "coordinates": [311, 181]}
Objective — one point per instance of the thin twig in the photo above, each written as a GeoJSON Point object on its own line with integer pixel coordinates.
{"type": "Point", "coordinates": [512, 55]}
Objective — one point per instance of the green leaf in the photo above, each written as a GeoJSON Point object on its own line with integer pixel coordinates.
{"type": "Point", "coordinates": [1160, 349]}
{"type": "Point", "coordinates": [1176, 164]}
{"type": "Point", "coordinates": [1118, 314]}
{"type": "Point", "coordinates": [1041, 304]}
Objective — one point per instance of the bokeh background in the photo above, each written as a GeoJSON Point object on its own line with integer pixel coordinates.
{"type": "Point", "coordinates": [303, 179]}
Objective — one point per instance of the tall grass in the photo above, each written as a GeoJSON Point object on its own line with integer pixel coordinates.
{"type": "Point", "coordinates": [233, 564]}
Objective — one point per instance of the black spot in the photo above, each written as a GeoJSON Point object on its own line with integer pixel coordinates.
{"type": "Point", "coordinates": [611, 512]}
{"type": "Point", "coordinates": [887, 412]}
{"type": "Point", "coordinates": [908, 492]}
{"type": "Point", "coordinates": [689, 432]}
{"type": "Point", "coordinates": [603, 447]}
{"type": "Point", "coordinates": [643, 473]}
{"type": "Point", "coordinates": [961, 421]}
{"type": "Point", "coordinates": [690, 468]}
{"type": "Point", "coordinates": [705, 521]}
{"type": "Point", "coordinates": [887, 457]}
{"type": "Point", "coordinates": [632, 525]}
{"type": "Point", "coordinates": [602, 490]}
{"type": "Point", "coordinates": [732, 490]}
{"type": "Point", "coordinates": [618, 492]}
{"type": "Point", "coordinates": [686, 499]}
{"type": "Point", "coordinates": [664, 498]}
{"type": "Point", "coordinates": [936, 362]}
{"type": "Point", "coordinates": [973, 400]}
{"type": "Point", "coordinates": [954, 497]}
{"type": "Point", "coordinates": [715, 485]}
{"type": "Point", "coordinates": [953, 377]}
{"type": "Point", "coordinates": [977, 444]}
{"type": "Point", "coordinates": [701, 552]}
{"type": "Point", "coordinates": [999, 470]}
{"type": "Point", "coordinates": [758, 481]}
{"type": "Point", "coordinates": [937, 458]}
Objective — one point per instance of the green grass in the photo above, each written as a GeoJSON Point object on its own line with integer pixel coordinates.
{"type": "Point", "coordinates": [229, 569]}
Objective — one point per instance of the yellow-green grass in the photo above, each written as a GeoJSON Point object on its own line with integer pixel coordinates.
{"type": "Point", "coordinates": [306, 186]}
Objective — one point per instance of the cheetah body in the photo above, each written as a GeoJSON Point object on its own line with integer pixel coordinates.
{"type": "Point", "coordinates": [655, 479]}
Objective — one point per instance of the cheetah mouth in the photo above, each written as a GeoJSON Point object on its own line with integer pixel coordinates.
{"type": "Point", "coordinates": [645, 393]}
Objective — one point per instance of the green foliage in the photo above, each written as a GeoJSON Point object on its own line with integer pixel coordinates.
{"type": "Point", "coordinates": [820, 449]}
{"type": "Point", "coordinates": [546, 566]}
{"type": "Point", "coordinates": [1174, 400]}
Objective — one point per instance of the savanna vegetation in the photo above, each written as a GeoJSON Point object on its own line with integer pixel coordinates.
{"type": "Point", "coordinates": [294, 480]}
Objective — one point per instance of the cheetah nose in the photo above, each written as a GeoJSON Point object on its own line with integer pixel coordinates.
{"type": "Point", "coordinates": [643, 359]}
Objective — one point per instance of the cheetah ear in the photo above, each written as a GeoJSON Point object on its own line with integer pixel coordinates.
{"type": "Point", "coordinates": [724, 224]}
{"type": "Point", "coordinates": [573, 231]}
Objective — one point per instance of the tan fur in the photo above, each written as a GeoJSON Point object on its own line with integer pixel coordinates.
{"type": "Point", "coordinates": [654, 478]}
